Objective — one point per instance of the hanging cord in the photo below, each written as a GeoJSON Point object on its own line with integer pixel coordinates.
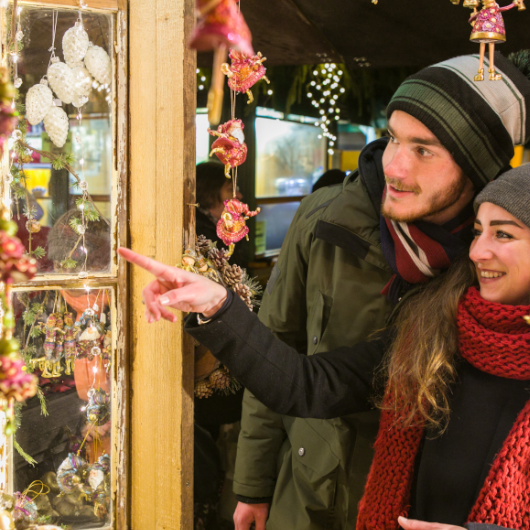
{"type": "Point", "coordinates": [55, 16]}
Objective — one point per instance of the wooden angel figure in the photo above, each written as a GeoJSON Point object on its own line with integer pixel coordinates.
{"type": "Point", "coordinates": [488, 28]}
{"type": "Point", "coordinates": [232, 227]}
{"type": "Point", "coordinates": [230, 146]}
{"type": "Point", "coordinates": [70, 345]}
{"type": "Point", "coordinates": [59, 346]}
{"type": "Point", "coordinates": [244, 72]}
{"type": "Point", "coordinates": [50, 329]}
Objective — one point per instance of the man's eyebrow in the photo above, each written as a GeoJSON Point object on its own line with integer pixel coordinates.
{"type": "Point", "coordinates": [417, 140]}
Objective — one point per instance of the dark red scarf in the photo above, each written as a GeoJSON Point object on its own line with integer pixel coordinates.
{"type": "Point", "coordinates": [418, 251]}
{"type": "Point", "coordinates": [495, 339]}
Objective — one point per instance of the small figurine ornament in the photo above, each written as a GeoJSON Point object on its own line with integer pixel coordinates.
{"type": "Point", "coordinates": [245, 72]}
{"type": "Point", "coordinates": [232, 227]}
{"type": "Point", "coordinates": [488, 28]}
{"type": "Point", "coordinates": [70, 472]}
{"type": "Point", "coordinates": [230, 147]}
{"type": "Point", "coordinates": [70, 345]}
{"type": "Point", "coordinates": [98, 408]}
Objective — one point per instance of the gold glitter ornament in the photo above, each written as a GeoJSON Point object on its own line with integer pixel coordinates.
{"type": "Point", "coordinates": [62, 81]}
{"type": "Point", "coordinates": [39, 101]}
{"type": "Point", "coordinates": [75, 45]}
{"type": "Point", "coordinates": [97, 62]}
{"type": "Point", "coordinates": [56, 125]}
{"type": "Point", "coordinates": [203, 389]}
{"type": "Point", "coordinates": [33, 226]}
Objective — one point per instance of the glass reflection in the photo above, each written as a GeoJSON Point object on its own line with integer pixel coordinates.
{"type": "Point", "coordinates": [66, 429]}
{"type": "Point", "coordinates": [63, 219]}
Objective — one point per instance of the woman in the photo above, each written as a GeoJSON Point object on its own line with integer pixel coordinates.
{"type": "Point", "coordinates": [454, 439]}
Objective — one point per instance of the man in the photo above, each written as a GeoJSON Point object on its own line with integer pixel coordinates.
{"type": "Point", "coordinates": [449, 136]}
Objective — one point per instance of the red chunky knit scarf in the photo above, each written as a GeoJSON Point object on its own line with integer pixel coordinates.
{"type": "Point", "coordinates": [495, 339]}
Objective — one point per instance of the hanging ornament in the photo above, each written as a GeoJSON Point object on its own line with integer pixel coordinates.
{"type": "Point", "coordinates": [25, 511]}
{"type": "Point", "coordinates": [70, 345]}
{"type": "Point", "coordinates": [98, 408]}
{"type": "Point", "coordinates": [83, 81]}
{"type": "Point", "coordinates": [97, 62]}
{"type": "Point", "coordinates": [221, 26]}
{"type": "Point", "coordinates": [62, 81]}
{"type": "Point", "coordinates": [56, 125]}
{"type": "Point", "coordinates": [75, 45]}
{"type": "Point", "coordinates": [232, 227]}
{"type": "Point", "coordinates": [70, 473]}
{"type": "Point", "coordinates": [488, 28]}
{"type": "Point", "coordinates": [230, 147]}
{"type": "Point", "coordinates": [39, 100]}
{"type": "Point", "coordinates": [244, 72]}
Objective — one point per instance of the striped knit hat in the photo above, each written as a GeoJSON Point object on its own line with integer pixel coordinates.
{"type": "Point", "coordinates": [477, 122]}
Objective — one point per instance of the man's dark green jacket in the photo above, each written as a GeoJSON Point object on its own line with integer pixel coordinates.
{"type": "Point", "coordinates": [323, 293]}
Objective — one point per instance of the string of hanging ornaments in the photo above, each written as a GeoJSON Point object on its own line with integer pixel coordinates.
{"type": "Point", "coordinates": [488, 28]}
{"type": "Point", "coordinates": [86, 67]}
{"type": "Point", "coordinates": [221, 27]}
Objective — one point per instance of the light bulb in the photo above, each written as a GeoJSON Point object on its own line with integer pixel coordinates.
{"type": "Point", "coordinates": [203, 78]}
{"type": "Point", "coordinates": [309, 95]}
{"type": "Point", "coordinates": [342, 90]}
{"type": "Point", "coordinates": [197, 71]}
{"type": "Point", "coordinates": [315, 72]}
{"type": "Point", "coordinates": [320, 137]}
{"type": "Point", "coordinates": [330, 152]}
{"type": "Point", "coordinates": [340, 72]}
{"type": "Point", "coordinates": [201, 87]}
{"type": "Point", "coordinates": [313, 83]}
{"type": "Point", "coordinates": [269, 92]}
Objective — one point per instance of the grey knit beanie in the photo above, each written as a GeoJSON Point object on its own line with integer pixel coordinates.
{"type": "Point", "coordinates": [510, 191]}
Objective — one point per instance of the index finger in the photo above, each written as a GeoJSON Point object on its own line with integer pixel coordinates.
{"type": "Point", "coordinates": [156, 268]}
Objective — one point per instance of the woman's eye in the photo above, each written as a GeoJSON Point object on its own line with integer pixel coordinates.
{"type": "Point", "coordinates": [503, 235]}
{"type": "Point", "coordinates": [392, 139]}
{"type": "Point", "coordinates": [476, 232]}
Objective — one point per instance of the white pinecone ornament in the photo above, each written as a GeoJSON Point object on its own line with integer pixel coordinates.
{"type": "Point", "coordinates": [62, 81]}
{"type": "Point", "coordinates": [39, 100]}
{"type": "Point", "coordinates": [83, 81]}
{"type": "Point", "coordinates": [75, 45]}
{"type": "Point", "coordinates": [56, 125]}
{"type": "Point", "coordinates": [97, 62]}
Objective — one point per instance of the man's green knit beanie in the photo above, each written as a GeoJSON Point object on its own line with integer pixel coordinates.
{"type": "Point", "coordinates": [477, 122]}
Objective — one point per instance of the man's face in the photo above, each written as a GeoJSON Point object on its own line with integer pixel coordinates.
{"type": "Point", "coordinates": [422, 179]}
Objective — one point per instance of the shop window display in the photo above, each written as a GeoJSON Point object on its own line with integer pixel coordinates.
{"type": "Point", "coordinates": [62, 176]}
{"type": "Point", "coordinates": [62, 159]}
{"type": "Point", "coordinates": [62, 469]}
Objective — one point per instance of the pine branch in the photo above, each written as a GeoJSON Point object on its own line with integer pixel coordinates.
{"type": "Point", "coordinates": [30, 460]}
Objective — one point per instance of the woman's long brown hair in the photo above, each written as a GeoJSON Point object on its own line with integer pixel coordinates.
{"type": "Point", "coordinates": [421, 363]}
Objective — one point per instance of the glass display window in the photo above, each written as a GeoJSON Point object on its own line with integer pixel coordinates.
{"type": "Point", "coordinates": [62, 465]}
{"type": "Point", "coordinates": [61, 170]}
{"type": "Point", "coordinates": [64, 184]}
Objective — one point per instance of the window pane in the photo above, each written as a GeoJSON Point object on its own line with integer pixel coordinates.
{"type": "Point", "coordinates": [272, 226]}
{"type": "Point", "coordinates": [73, 232]}
{"type": "Point", "coordinates": [67, 342]}
{"type": "Point", "coordinates": [290, 157]}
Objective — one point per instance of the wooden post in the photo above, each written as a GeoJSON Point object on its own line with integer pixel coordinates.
{"type": "Point", "coordinates": [162, 184]}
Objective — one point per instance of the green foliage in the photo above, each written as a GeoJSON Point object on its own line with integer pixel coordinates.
{"type": "Point", "coordinates": [42, 399]}
{"type": "Point", "coordinates": [69, 263]}
{"type": "Point", "coordinates": [31, 312]}
{"type": "Point", "coordinates": [62, 160]}
{"type": "Point", "coordinates": [30, 212]}
{"type": "Point", "coordinates": [38, 253]}
{"type": "Point", "coordinates": [75, 223]}
{"type": "Point", "coordinates": [29, 459]}
{"type": "Point", "coordinates": [90, 212]}
{"type": "Point", "coordinates": [18, 192]}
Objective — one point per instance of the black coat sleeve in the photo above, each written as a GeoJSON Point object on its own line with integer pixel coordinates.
{"type": "Point", "coordinates": [326, 385]}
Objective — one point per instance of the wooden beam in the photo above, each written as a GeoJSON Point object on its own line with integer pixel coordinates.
{"type": "Point", "coordinates": [93, 5]}
{"type": "Point", "coordinates": [162, 183]}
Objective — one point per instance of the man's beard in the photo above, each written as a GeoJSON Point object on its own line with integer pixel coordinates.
{"type": "Point", "coordinates": [436, 205]}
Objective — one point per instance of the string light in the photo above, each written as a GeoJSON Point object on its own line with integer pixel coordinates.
{"type": "Point", "coordinates": [201, 79]}
{"type": "Point", "coordinates": [324, 90]}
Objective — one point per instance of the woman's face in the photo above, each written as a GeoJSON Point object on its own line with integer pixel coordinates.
{"type": "Point", "coordinates": [225, 193]}
{"type": "Point", "coordinates": [501, 254]}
